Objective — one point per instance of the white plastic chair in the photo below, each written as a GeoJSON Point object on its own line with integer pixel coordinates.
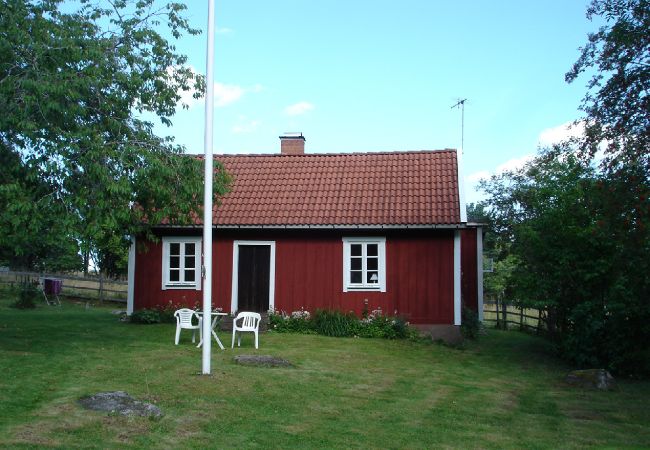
{"type": "Point", "coordinates": [184, 322]}
{"type": "Point", "coordinates": [250, 322]}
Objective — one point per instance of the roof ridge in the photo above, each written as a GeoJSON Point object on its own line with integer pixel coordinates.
{"type": "Point", "coordinates": [304, 155]}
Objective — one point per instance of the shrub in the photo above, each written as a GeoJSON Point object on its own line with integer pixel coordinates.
{"type": "Point", "coordinates": [335, 323]}
{"type": "Point", "coordinates": [376, 324]}
{"type": "Point", "coordinates": [145, 316]}
{"type": "Point", "coordinates": [166, 313]}
{"type": "Point", "coordinates": [339, 324]}
{"type": "Point", "coordinates": [297, 322]}
{"type": "Point", "coordinates": [27, 295]}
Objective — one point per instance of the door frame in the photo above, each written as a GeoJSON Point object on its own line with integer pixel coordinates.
{"type": "Point", "coordinates": [234, 300]}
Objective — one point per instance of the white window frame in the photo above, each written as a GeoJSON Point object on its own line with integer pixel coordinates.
{"type": "Point", "coordinates": [348, 286]}
{"type": "Point", "coordinates": [196, 284]}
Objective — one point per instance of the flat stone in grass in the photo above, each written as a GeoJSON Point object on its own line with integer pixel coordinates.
{"type": "Point", "coordinates": [262, 360]}
{"type": "Point", "coordinates": [591, 379]}
{"type": "Point", "coordinates": [119, 402]}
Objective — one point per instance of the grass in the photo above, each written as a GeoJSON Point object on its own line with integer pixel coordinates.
{"type": "Point", "coordinates": [504, 391]}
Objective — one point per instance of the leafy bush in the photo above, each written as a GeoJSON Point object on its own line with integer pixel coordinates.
{"type": "Point", "coordinates": [166, 312]}
{"type": "Point", "coordinates": [297, 322]}
{"type": "Point", "coordinates": [579, 240]}
{"type": "Point", "coordinates": [470, 325]}
{"type": "Point", "coordinates": [146, 316]}
{"type": "Point", "coordinates": [376, 324]}
{"type": "Point", "coordinates": [339, 324]}
{"type": "Point", "coordinates": [27, 295]}
{"type": "Point", "coordinates": [335, 323]}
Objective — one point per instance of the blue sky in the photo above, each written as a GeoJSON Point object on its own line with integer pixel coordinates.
{"type": "Point", "coordinates": [382, 76]}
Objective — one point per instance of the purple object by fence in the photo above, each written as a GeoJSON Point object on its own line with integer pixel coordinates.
{"type": "Point", "coordinates": [53, 286]}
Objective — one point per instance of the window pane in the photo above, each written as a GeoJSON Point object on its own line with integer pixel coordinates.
{"type": "Point", "coordinates": [189, 262]}
{"type": "Point", "coordinates": [355, 264]}
{"type": "Point", "coordinates": [175, 249]}
{"type": "Point", "coordinates": [174, 262]}
{"type": "Point", "coordinates": [189, 275]}
{"type": "Point", "coordinates": [355, 277]}
{"type": "Point", "coordinates": [372, 250]}
{"type": "Point", "coordinates": [373, 277]}
{"type": "Point", "coordinates": [189, 249]}
{"type": "Point", "coordinates": [355, 249]}
{"type": "Point", "coordinates": [174, 275]}
{"type": "Point", "coordinates": [373, 263]}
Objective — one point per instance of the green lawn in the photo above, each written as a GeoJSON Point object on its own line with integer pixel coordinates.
{"type": "Point", "coordinates": [503, 391]}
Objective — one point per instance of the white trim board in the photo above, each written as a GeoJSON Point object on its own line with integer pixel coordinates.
{"type": "Point", "coordinates": [461, 186]}
{"type": "Point", "coordinates": [479, 272]}
{"type": "Point", "coordinates": [457, 285]}
{"type": "Point", "coordinates": [235, 273]}
{"type": "Point", "coordinates": [131, 272]}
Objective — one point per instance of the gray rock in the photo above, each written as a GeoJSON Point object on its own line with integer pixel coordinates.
{"type": "Point", "coordinates": [591, 379]}
{"type": "Point", "coordinates": [119, 402]}
{"type": "Point", "coordinates": [262, 360]}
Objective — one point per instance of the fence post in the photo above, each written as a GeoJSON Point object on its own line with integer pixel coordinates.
{"type": "Point", "coordinates": [504, 311]}
{"type": "Point", "coordinates": [521, 318]}
{"type": "Point", "coordinates": [101, 288]}
{"type": "Point", "coordinates": [496, 303]}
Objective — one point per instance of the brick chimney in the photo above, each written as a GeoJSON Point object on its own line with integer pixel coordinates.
{"type": "Point", "coordinates": [292, 144]}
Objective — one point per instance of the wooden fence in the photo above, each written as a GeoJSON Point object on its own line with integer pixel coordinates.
{"type": "Point", "coordinates": [506, 316]}
{"type": "Point", "coordinates": [90, 287]}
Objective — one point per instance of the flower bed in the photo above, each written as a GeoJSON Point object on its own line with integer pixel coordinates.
{"type": "Point", "coordinates": [339, 324]}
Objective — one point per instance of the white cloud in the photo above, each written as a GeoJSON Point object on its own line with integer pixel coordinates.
{"type": "Point", "coordinates": [223, 30]}
{"type": "Point", "coordinates": [477, 176]}
{"type": "Point", "coordinates": [513, 164]}
{"type": "Point", "coordinates": [245, 126]}
{"type": "Point", "coordinates": [187, 98]}
{"type": "Point", "coordinates": [472, 192]}
{"type": "Point", "coordinates": [298, 108]}
{"type": "Point", "coordinates": [225, 94]}
{"type": "Point", "coordinates": [560, 133]}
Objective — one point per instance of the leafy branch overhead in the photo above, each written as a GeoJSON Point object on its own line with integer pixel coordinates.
{"type": "Point", "coordinates": [74, 88]}
{"type": "Point", "coordinates": [617, 103]}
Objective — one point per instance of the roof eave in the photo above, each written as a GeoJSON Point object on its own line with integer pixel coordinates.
{"type": "Point", "coordinates": [449, 226]}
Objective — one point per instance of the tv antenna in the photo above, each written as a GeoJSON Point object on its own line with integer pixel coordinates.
{"type": "Point", "coordinates": [461, 104]}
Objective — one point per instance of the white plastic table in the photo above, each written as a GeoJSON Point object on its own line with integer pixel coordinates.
{"type": "Point", "coordinates": [216, 317]}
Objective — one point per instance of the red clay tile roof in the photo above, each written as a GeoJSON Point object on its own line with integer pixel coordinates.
{"type": "Point", "coordinates": [400, 188]}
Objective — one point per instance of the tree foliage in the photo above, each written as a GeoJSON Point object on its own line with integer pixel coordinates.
{"type": "Point", "coordinates": [617, 104]}
{"type": "Point", "coordinates": [31, 233]}
{"type": "Point", "coordinates": [581, 246]}
{"type": "Point", "coordinates": [74, 87]}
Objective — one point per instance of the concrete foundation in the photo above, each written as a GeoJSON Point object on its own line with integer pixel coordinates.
{"type": "Point", "coordinates": [448, 333]}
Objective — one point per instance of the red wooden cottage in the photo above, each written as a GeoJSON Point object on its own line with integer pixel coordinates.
{"type": "Point", "coordinates": [326, 231]}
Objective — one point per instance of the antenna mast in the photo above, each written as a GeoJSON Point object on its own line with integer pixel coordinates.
{"type": "Point", "coordinates": [461, 104]}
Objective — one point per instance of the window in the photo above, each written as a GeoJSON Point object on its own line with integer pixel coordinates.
{"type": "Point", "coordinates": [181, 263]}
{"type": "Point", "coordinates": [364, 264]}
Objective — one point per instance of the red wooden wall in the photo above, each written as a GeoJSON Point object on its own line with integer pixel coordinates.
{"type": "Point", "coordinates": [309, 273]}
{"type": "Point", "coordinates": [468, 269]}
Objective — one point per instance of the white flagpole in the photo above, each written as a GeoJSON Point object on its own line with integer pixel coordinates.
{"type": "Point", "coordinates": [207, 197]}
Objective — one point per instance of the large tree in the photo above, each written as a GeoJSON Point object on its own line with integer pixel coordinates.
{"type": "Point", "coordinates": [31, 232]}
{"type": "Point", "coordinates": [74, 87]}
{"type": "Point", "coordinates": [617, 104]}
{"type": "Point", "coordinates": [579, 257]}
